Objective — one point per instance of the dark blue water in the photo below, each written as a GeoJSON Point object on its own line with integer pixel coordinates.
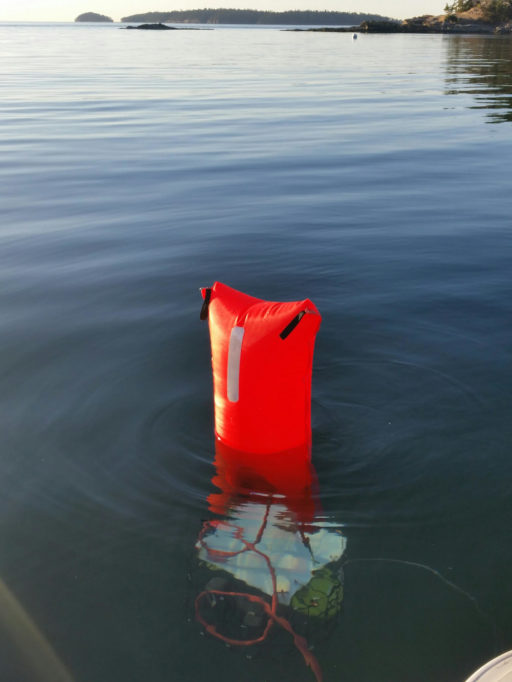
{"type": "Point", "coordinates": [372, 176]}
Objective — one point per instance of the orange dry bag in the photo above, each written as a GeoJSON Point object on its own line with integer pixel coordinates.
{"type": "Point", "coordinates": [262, 358]}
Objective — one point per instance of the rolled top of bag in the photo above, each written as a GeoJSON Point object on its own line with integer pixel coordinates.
{"type": "Point", "coordinates": [262, 358]}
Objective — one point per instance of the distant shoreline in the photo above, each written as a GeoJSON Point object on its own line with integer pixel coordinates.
{"type": "Point", "coordinates": [257, 17]}
{"type": "Point", "coordinates": [479, 19]}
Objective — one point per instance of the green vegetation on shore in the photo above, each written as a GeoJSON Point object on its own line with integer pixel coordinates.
{"type": "Point", "coordinates": [491, 17]}
{"type": "Point", "coordinates": [248, 16]}
{"type": "Point", "coordinates": [492, 11]}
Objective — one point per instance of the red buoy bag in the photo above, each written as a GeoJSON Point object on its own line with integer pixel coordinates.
{"type": "Point", "coordinates": [262, 358]}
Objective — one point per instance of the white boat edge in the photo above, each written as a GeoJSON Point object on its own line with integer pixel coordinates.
{"type": "Point", "coordinates": [497, 670]}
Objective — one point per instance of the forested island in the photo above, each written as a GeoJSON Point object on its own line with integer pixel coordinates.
{"type": "Point", "coordinates": [248, 16]}
{"type": "Point", "coordinates": [93, 16]}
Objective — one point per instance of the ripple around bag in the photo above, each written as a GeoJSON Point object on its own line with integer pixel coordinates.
{"type": "Point", "coordinates": [262, 358]}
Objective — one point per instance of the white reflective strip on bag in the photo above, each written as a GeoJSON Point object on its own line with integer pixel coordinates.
{"type": "Point", "coordinates": [234, 354]}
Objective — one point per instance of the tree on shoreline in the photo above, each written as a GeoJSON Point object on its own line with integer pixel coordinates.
{"type": "Point", "coordinates": [460, 6]}
{"type": "Point", "coordinates": [493, 11]}
{"type": "Point", "coordinates": [498, 10]}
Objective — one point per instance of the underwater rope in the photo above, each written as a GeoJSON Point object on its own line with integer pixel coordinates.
{"type": "Point", "coordinates": [270, 610]}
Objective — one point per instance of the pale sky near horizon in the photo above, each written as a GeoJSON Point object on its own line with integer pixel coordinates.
{"type": "Point", "coordinates": [67, 10]}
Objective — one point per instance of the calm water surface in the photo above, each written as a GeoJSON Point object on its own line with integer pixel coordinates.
{"type": "Point", "coordinates": [372, 176]}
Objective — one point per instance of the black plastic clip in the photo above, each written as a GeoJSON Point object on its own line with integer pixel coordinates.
{"type": "Point", "coordinates": [203, 315]}
{"type": "Point", "coordinates": [291, 325]}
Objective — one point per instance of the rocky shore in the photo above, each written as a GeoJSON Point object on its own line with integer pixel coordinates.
{"type": "Point", "coordinates": [427, 24]}
{"type": "Point", "coordinates": [453, 24]}
{"type": "Point", "coordinates": [476, 20]}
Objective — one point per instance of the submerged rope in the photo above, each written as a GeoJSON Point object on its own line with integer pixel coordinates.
{"type": "Point", "coordinates": [270, 609]}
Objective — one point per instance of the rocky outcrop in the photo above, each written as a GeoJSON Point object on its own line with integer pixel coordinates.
{"type": "Point", "coordinates": [384, 26]}
{"type": "Point", "coordinates": [424, 24]}
{"type": "Point", "coordinates": [503, 29]}
{"type": "Point", "coordinates": [480, 18]}
{"type": "Point", "coordinates": [380, 27]}
{"type": "Point", "coordinates": [153, 27]}
{"type": "Point", "coordinates": [477, 20]}
{"type": "Point", "coordinates": [92, 16]}
{"type": "Point", "coordinates": [452, 23]}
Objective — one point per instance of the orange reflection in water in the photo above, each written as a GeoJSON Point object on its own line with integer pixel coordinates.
{"type": "Point", "coordinates": [286, 477]}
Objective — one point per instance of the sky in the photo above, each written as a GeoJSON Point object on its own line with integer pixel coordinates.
{"type": "Point", "coordinates": [67, 10]}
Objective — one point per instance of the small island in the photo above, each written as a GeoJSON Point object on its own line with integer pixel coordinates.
{"type": "Point", "coordinates": [92, 16]}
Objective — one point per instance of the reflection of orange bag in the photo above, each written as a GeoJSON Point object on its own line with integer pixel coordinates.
{"type": "Point", "coordinates": [262, 357]}
{"type": "Point", "coordinates": [288, 479]}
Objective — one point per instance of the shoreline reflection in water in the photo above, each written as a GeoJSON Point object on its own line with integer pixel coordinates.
{"type": "Point", "coordinates": [482, 67]}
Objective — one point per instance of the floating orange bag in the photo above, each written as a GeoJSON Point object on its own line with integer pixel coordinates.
{"type": "Point", "coordinates": [262, 358]}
